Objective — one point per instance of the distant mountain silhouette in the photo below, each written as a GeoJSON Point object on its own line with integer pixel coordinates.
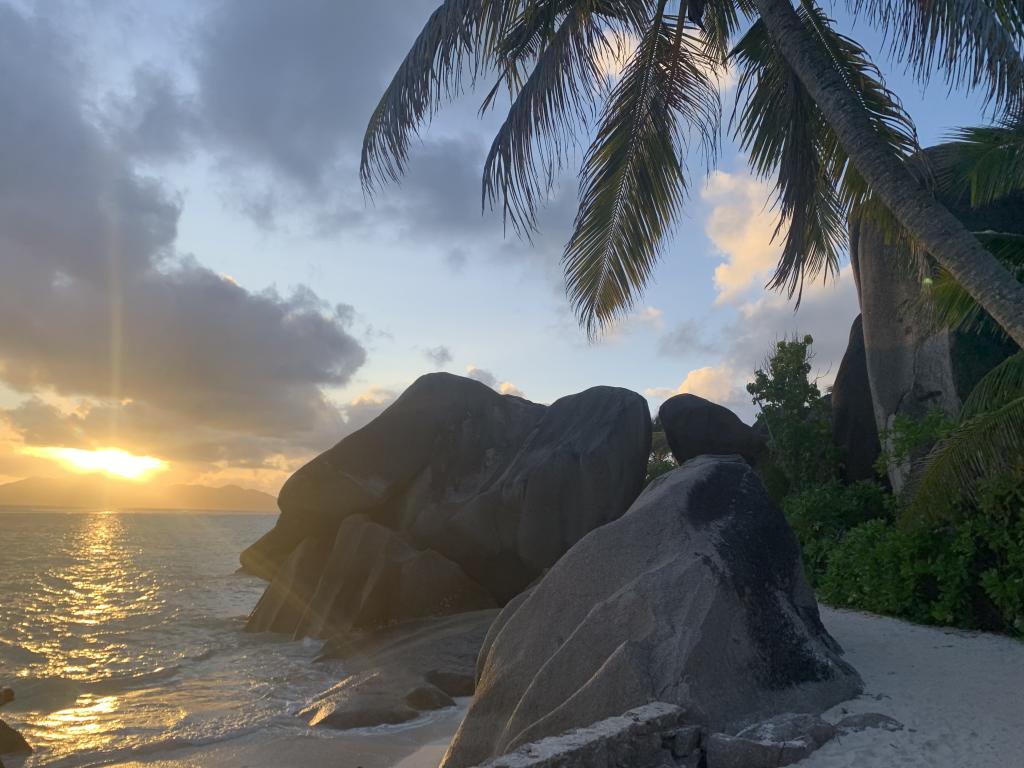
{"type": "Point", "coordinates": [100, 492]}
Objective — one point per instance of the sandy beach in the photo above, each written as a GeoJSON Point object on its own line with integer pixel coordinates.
{"type": "Point", "coordinates": [959, 694]}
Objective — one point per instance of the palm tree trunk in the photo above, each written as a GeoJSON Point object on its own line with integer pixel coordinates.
{"type": "Point", "coordinates": [924, 217]}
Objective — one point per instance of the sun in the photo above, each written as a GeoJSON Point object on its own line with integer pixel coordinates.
{"type": "Point", "coordinates": [110, 461]}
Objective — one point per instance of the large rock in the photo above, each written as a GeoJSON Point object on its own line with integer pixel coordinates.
{"type": "Point", "coordinates": [695, 426]}
{"type": "Point", "coordinates": [853, 416]}
{"type": "Point", "coordinates": [396, 675]}
{"type": "Point", "coordinates": [912, 366]}
{"type": "Point", "coordinates": [486, 486]}
{"type": "Point", "coordinates": [696, 597]}
{"type": "Point", "coordinates": [370, 578]}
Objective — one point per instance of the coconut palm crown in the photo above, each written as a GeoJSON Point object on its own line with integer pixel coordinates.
{"type": "Point", "coordinates": [813, 113]}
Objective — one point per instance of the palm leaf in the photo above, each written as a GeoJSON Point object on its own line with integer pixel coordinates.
{"type": "Point", "coordinates": [458, 34]}
{"type": "Point", "coordinates": [973, 43]}
{"type": "Point", "coordinates": [1000, 386]}
{"type": "Point", "coordinates": [783, 131]}
{"type": "Point", "coordinates": [947, 304]}
{"type": "Point", "coordinates": [548, 109]}
{"type": "Point", "coordinates": [987, 160]}
{"type": "Point", "coordinates": [982, 446]}
{"type": "Point", "coordinates": [632, 182]}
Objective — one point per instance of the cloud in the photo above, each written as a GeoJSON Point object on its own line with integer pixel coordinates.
{"type": "Point", "coordinates": [97, 305]}
{"type": "Point", "coordinates": [685, 340]}
{"type": "Point", "coordinates": [489, 379]}
{"type": "Point", "coordinates": [741, 228]}
{"type": "Point", "coordinates": [482, 375]}
{"type": "Point", "coordinates": [826, 313]}
{"type": "Point", "coordinates": [440, 356]}
{"type": "Point", "coordinates": [718, 384]}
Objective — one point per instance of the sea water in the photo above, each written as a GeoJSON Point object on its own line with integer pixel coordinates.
{"type": "Point", "coordinates": [122, 635]}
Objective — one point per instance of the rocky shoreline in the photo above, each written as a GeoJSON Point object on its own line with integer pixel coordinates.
{"type": "Point", "coordinates": [467, 542]}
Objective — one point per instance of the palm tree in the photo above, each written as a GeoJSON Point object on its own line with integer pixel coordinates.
{"type": "Point", "coordinates": [633, 182]}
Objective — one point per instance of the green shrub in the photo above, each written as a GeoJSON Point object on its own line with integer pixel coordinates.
{"type": "Point", "coordinates": [968, 572]}
{"type": "Point", "coordinates": [822, 514]}
{"type": "Point", "coordinates": [798, 419]}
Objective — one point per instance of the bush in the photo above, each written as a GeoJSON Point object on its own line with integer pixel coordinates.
{"type": "Point", "coordinates": [968, 572]}
{"type": "Point", "coordinates": [797, 418]}
{"type": "Point", "coordinates": [821, 515]}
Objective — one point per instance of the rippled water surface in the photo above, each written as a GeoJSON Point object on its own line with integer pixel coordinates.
{"type": "Point", "coordinates": [122, 635]}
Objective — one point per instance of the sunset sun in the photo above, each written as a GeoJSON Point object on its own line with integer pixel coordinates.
{"type": "Point", "coordinates": [110, 461]}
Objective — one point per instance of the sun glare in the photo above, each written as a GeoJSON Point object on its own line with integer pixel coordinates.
{"type": "Point", "coordinates": [109, 461]}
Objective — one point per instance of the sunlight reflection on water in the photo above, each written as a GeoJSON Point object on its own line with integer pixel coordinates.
{"type": "Point", "coordinates": [122, 635]}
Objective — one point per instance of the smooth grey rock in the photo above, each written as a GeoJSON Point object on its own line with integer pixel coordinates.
{"type": "Point", "coordinates": [867, 720]}
{"type": "Point", "coordinates": [632, 740]}
{"type": "Point", "coordinates": [396, 674]}
{"type": "Point", "coordinates": [853, 415]}
{"type": "Point", "coordinates": [696, 596]}
{"type": "Point", "coordinates": [12, 742]}
{"type": "Point", "coordinates": [695, 426]}
{"type": "Point", "coordinates": [371, 578]}
{"type": "Point", "coordinates": [497, 485]}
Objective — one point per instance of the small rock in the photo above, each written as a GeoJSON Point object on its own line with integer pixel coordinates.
{"type": "Point", "coordinates": [426, 698]}
{"type": "Point", "coordinates": [782, 740]}
{"type": "Point", "coordinates": [686, 741]}
{"type": "Point", "coordinates": [733, 752]}
{"type": "Point", "coordinates": [12, 742]}
{"type": "Point", "coordinates": [791, 727]}
{"type": "Point", "coordinates": [866, 720]}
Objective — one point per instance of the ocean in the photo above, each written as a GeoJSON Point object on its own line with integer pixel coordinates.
{"type": "Point", "coordinates": [122, 635]}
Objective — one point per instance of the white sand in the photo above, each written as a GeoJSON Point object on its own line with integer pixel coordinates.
{"type": "Point", "coordinates": [959, 694]}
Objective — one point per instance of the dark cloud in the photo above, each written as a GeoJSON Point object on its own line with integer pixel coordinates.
{"type": "Point", "coordinates": [96, 304]}
{"type": "Point", "coordinates": [292, 85]}
{"type": "Point", "coordinates": [440, 356]}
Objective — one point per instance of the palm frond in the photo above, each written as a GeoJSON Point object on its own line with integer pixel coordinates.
{"type": "Point", "coordinates": [632, 183]}
{"type": "Point", "coordinates": [987, 160]}
{"type": "Point", "coordinates": [550, 106]}
{"type": "Point", "coordinates": [947, 304]}
{"type": "Point", "coordinates": [973, 43]}
{"type": "Point", "coordinates": [982, 446]}
{"type": "Point", "coordinates": [457, 34]}
{"type": "Point", "coordinates": [783, 131]}
{"type": "Point", "coordinates": [999, 387]}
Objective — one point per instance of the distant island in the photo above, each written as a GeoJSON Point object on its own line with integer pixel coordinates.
{"type": "Point", "coordinates": [100, 492]}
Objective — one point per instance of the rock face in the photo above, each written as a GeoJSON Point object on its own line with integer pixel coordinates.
{"type": "Point", "coordinates": [696, 597]}
{"type": "Point", "coordinates": [455, 498]}
{"type": "Point", "coordinates": [695, 426]}
{"type": "Point", "coordinates": [396, 675]}
{"type": "Point", "coordinates": [853, 416]}
{"type": "Point", "coordinates": [370, 578]}
{"type": "Point", "coordinates": [911, 367]}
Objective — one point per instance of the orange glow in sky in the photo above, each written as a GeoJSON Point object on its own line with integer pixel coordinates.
{"type": "Point", "coordinates": [110, 461]}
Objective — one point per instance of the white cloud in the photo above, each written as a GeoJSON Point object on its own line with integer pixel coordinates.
{"type": "Point", "coordinates": [720, 384]}
{"type": "Point", "coordinates": [489, 379]}
{"type": "Point", "coordinates": [826, 313]}
{"type": "Point", "coordinates": [741, 226]}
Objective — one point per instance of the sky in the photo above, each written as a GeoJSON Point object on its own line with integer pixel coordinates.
{"type": "Point", "coordinates": [192, 272]}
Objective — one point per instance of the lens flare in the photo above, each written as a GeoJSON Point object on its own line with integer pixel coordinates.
{"type": "Point", "coordinates": [110, 461]}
